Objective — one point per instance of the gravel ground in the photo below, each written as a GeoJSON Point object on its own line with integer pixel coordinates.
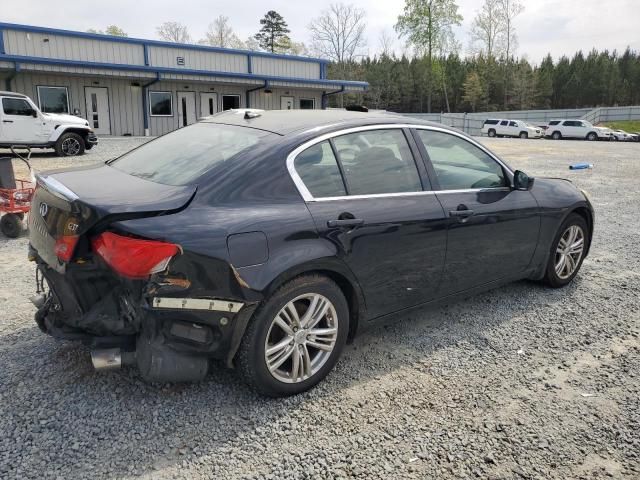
{"type": "Point", "coordinates": [520, 382]}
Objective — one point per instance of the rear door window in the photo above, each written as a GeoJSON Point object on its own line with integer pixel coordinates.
{"type": "Point", "coordinates": [554, 122]}
{"type": "Point", "coordinates": [318, 168]}
{"type": "Point", "coordinates": [504, 123]}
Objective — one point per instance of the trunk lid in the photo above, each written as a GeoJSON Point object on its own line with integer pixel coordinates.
{"type": "Point", "coordinates": [84, 201]}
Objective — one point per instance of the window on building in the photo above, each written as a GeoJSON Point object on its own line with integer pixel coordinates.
{"type": "Point", "coordinates": [161, 104]}
{"type": "Point", "coordinates": [307, 104]}
{"type": "Point", "coordinates": [230, 101]}
{"type": "Point", "coordinates": [53, 99]}
{"type": "Point", "coordinates": [16, 106]}
{"type": "Point", "coordinates": [318, 169]}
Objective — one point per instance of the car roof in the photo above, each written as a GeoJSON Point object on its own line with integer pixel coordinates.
{"type": "Point", "coordinates": [12, 94]}
{"type": "Point", "coordinates": [284, 122]}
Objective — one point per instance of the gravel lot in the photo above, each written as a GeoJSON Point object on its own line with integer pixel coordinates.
{"type": "Point", "coordinates": [521, 382]}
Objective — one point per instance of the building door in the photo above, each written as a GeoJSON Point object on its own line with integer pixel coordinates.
{"type": "Point", "coordinates": [186, 108]}
{"type": "Point", "coordinates": [208, 104]}
{"type": "Point", "coordinates": [97, 99]}
{"type": "Point", "coordinates": [286, 103]}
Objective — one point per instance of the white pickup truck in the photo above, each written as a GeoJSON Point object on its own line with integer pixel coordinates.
{"type": "Point", "coordinates": [23, 124]}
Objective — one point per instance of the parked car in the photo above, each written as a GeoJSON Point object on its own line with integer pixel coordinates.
{"type": "Point", "coordinates": [23, 124]}
{"type": "Point", "coordinates": [510, 128]}
{"type": "Point", "coordinates": [636, 136]}
{"type": "Point", "coordinates": [622, 136]}
{"type": "Point", "coordinates": [268, 240]}
{"type": "Point", "coordinates": [559, 129]}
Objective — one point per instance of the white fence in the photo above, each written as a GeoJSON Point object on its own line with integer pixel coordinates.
{"type": "Point", "coordinates": [471, 123]}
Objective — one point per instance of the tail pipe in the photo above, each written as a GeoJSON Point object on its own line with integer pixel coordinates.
{"type": "Point", "coordinates": [111, 358]}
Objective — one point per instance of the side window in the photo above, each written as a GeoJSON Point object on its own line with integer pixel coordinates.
{"type": "Point", "coordinates": [377, 161]}
{"type": "Point", "coordinates": [554, 122]}
{"type": "Point", "coordinates": [318, 169]}
{"type": "Point", "coordinates": [16, 106]}
{"type": "Point", "coordinates": [459, 164]}
{"type": "Point", "coordinates": [504, 123]}
{"type": "Point", "coordinates": [513, 124]}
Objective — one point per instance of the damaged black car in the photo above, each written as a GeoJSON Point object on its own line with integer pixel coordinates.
{"type": "Point", "coordinates": [268, 240]}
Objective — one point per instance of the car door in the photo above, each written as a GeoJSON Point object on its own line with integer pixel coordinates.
{"type": "Point", "coordinates": [18, 121]}
{"type": "Point", "coordinates": [503, 127]}
{"type": "Point", "coordinates": [492, 229]}
{"type": "Point", "coordinates": [514, 129]}
{"type": "Point", "coordinates": [365, 193]}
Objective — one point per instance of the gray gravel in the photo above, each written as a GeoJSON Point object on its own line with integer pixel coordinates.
{"type": "Point", "coordinates": [521, 382]}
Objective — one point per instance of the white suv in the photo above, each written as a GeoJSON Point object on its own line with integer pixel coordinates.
{"type": "Point", "coordinates": [498, 127]}
{"type": "Point", "coordinates": [576, 129]}
{"type": "Point", "coordinates": [23, 124]}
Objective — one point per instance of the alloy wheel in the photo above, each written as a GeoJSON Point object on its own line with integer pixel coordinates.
{"type": "Point", "coordinates": [70, 147]}
{"type": "Point", "coordinates": [301, 338]}
{"type": "Point", "coordinates": [569, 251]}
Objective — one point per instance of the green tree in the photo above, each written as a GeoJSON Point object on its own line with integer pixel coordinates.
{"type": "Point", "coordinates": [273, 37]}
{"type": "Point", "coordinates": [474, 91]}
{"type": "Point", "coordinates": [112, 30]}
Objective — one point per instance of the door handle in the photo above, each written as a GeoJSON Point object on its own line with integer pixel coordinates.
{"type": "Point", "coordinates": [346, 223]}
{"type": "Point", "coordinates": [7, 121]}
{"type": "Point", "coordinates": [461, 213]}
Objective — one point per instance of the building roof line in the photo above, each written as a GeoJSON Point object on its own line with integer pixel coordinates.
{"type": "Point", "coordinates": [158, 43]}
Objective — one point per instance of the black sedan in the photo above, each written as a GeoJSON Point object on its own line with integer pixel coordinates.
{"type": "Point", "coordinates": [268, 240]}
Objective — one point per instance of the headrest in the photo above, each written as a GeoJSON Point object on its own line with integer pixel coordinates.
{"type": "Point", "coordinates": [311, 156]}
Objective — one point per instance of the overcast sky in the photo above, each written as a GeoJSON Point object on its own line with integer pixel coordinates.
{"type": "Point", "coordinates": [556, 26]}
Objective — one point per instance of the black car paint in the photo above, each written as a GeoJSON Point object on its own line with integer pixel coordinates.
{"type": "Point", "coordinates": [384, 266]}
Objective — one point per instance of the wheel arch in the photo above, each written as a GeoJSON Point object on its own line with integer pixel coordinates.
{"type": "Point", "coordinates": [62, 129]}
{"type": "Point", "coordinates": [585, 213]}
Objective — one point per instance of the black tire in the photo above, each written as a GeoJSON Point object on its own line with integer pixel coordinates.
{"type": "Point", "coordinates": [70, 145]}
{"type": "Point", "coordinates": [556, 136]}
{"type": "Point", "coordinates": [614, 138]}
{"type": "Point", "coordinates": [87, 146]}
{"type": "Point", "coordinates": [551, 277]}
{"type": "Point", "coordinates": [11, 225]}
{"type": "Point", "coordinates": [491, 133]}
{"type": "Point", "coordinates": [524, 135]}
{"type": "Point", "coordinates": [250, 359]}
{"type": "Point", "coordinates": [592, 136]}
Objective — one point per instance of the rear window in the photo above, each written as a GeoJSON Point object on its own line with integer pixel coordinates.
{"type": "Point", "coordinates": [491, 122]}
{"type": "Point", "coordinates": [181, 157]}
{"type": "Point", "coordinates": [554, 122]}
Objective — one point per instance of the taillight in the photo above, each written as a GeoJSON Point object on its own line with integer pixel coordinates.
{"type": "Point", "coordinates": [133, 257]}
{"type": "Point", "coordinates": [65, 246]}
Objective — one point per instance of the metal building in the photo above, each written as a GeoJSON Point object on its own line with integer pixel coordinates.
{"type": "Point", "coordinates": [127, 86]}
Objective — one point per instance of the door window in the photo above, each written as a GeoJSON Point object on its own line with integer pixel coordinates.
{"type": "Point", "coordinates": [504, 123]}
{"type": "Point", "coordinates": [318, 168]}
{"type": "Point", "coordinates": [16, 106]}
{"type": "Point", "coordinates": [513, 124]}
{"type": "Point", "coordinates": [53, 99]}
{"type": "Point", "coordinates": [377, 161]}
{"type": "Point", "coordinates": [459, 164]}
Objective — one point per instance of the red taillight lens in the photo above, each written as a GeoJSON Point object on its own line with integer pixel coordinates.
{"type": "Point", "coordinates": [65, 246]}
{"type": "Point", "coordinates": [133, 257]}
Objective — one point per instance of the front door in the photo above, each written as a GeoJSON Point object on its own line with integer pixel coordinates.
{"type": "Point", "coordinates": [186, 108]}
{"type": "Point", "coordinates": [208, 104]}
{"type": "Point", "coordinates": [18, 122]}
{"type": "Point", "coordinates": [369, 205]}
{"type": "Point", "coordinates": [97, 100]}
{"type": "Point", "coordinates": [286, 103]}
{"type": "Point", "coordinates": [493, 229]}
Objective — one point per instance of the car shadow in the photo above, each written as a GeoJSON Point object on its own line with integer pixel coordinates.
{"type": "Point", "coordinates": [111, 412]}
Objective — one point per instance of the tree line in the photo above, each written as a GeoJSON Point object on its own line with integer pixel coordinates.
{"type": "Point", "coordinates": [432, 74]}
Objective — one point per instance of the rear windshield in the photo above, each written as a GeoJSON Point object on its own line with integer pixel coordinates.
{"type": "Point", "coordinates": [183, 156]}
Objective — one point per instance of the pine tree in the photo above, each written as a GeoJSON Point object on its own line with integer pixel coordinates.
{"type": "Point", "coordinates": [273, 37]}
{"type": "Point", "coordinates": [473, 90]}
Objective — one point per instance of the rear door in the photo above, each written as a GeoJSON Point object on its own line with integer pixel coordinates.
{"type": "Point", "coordinates": [503, 127]}
{"type": "Point", "coordinates": [492, 229]}
{"type": "Point", "coordinates": [365, 192]}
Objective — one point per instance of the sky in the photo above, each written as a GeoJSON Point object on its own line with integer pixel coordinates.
{"type": "Point", "coordinates": [555, 26]}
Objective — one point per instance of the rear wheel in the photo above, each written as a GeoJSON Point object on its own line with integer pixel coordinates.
{"type": "Point", "coordinates": [567, 251]}
{"type": "Point", "coordinates": [556, 135]}
{"type": "Point", "coordinates": [295, 337]}
{"type": "Point", "coordinates": [11, 225]}
{"type": "Point", "coordinates": [592, 137]}
{"type": "Point", "coordinates": [69, 145]}
{"type": "Point", "coordinates": [524, 135]}
{"type": "Point", "coordinates": [492, 133]}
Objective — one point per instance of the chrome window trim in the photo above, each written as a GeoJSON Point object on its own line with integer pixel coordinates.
{"type": "Point", "coordinates": [307, 197]}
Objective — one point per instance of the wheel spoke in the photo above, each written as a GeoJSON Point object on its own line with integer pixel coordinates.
{"type": "Point", "coordinates": [278, 354]}
{"type": "Point", "coordinates": [320, 313]}
{"type": "Point", "coordinates": [305, 361]}
{"type": "Point", "coordinates": [561, 264]}
{"type": "Point", "coordinates": [571, 265]}
{"type": "Point", "coordinates": [282, 323]}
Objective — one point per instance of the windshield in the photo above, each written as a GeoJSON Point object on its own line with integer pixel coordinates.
{"type": "Point", "coordinates": [183, 156]}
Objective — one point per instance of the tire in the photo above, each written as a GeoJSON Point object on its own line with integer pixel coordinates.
{"type": "Point", "coordinates": [87, 146]}
{"type": "Point", "coordinates": [614, 138]}
{"type": "Point", "coordinates": [251, 360]}
{"type": "Point", "coordinates": [592, 136]}
{"type": "Point", "coordinates": [556, 136]}
{"type": "Point", "coordinates": [11, 225]}
{"type": "Point", "coordinates": [558, 276]}
{"type": "Point", "coordinates": [491, 133]}
{"type": "Point", "coordinates": [524, 135]}
{"type": "Point", "coordinates": [70, 145]}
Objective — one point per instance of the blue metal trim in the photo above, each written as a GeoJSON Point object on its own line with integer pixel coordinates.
{"type": "Point", "coordinates": [146, 54]}
{"type": "Point", "coordinates": [249, 64]}
{"type": "Point", "coordinates": [208, 73]}
{"type": "Point", "coordinates": [145, 107]}
{"type": "Point", "coordinates": [7, 81]}
{"type": "Point", "coordinates": [140, 41]}
{"type": "Point", "coordinates": [2, 42]}
{"type": "Point", "coordinates": [247, 99]}
{"type": "Point", "coordinates": [323, 71]}
{"type": "Point", "coordinates": [325, 97]}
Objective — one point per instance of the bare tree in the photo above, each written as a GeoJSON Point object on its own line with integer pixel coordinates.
{"type": "Point", "coordinates": [338, 33]}
{"type": "Point", "coordinates": [174, 32]}
{"type": "Point", "coordinates": [510, 9]}
{"type": "Point", "coordinates": [486, 29]}
{"type": "Point", "coordinates": [220, 34]}
{"type": "Point", "coordinates": [386, 43]}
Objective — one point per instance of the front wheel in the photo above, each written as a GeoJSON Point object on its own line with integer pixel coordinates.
{"type": "Point", "coordinates": [69, 145]}
{"type": "Point", "coordinates": [524, 135]}
{"type": "Point", "coordinates": [592, 137]}
{"type": "Point", "coordinates": [11, 225]}
{"type": "Point", "coordinates": [295, 337]}
{"type": "Point", "coordinates": [556, 135]}
{"type": "Point", "coordinates": [567, 251]}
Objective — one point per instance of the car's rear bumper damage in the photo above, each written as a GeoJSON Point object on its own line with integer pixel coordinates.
{"type": "Point", "coordinates": [155, 323]}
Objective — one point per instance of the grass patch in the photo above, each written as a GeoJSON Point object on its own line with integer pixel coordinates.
{"type": "Point", "coordinates": [626, 125]}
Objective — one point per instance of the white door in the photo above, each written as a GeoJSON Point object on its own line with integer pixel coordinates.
{"type": "Point", "coordinates": [208, 104]}
{"type": "Point", "coordinates": [186, 108]}
{"type": "Point", "coordinates": [286, 103]}
{"type": "Point", "coordinates": [503, 128]}
{"type": "Point", "coordinates": [97, 99]}
{"type": "Point", "coordinates": [18, 122]}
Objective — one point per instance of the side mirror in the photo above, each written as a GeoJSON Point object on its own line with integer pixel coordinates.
{"type": "Point", "coordinates": [34, 113]}
{"type": "Point", "coordinates": [522, 181]}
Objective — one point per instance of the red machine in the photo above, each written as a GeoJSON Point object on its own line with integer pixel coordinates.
{"type": "Point", "coordinates": [15, 196]}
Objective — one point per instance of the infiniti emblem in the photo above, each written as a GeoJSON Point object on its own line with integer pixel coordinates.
{"type": "Point", "coordinates": [44, 208]}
